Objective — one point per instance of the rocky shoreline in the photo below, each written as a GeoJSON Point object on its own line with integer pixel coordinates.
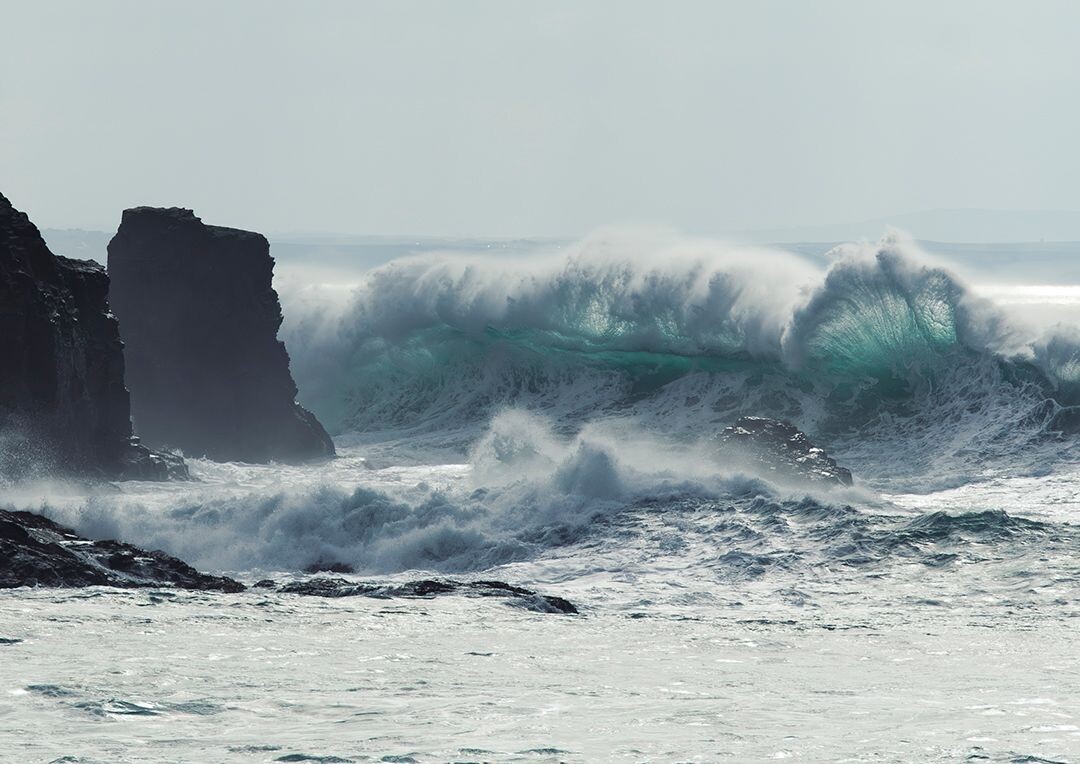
{"type": "Point", "coordinates": [37, 552]}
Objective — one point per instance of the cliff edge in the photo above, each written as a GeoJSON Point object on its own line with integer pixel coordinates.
{"type": "Point", "coordinates": [63, 404]}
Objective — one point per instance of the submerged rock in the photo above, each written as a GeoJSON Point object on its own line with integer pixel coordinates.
{"type": "Point", "coordinates": [339, 587]}
{"type": "Point", "coordinates": [326, 566]}
{"type": "Point", "coordinates": [781, 448]}
{"type": "Point", "coordinates": [200, 319]}
{"type": "Point", "coordinates": [35, 551]}
{"type": "Point", "coordinates": [63, 403]}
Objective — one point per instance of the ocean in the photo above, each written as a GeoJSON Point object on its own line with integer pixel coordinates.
{"type": "Point", "coordinates": [546, 415]}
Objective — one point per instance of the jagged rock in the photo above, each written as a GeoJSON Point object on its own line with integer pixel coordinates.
{"type": "Point", "coordinates": [35, 551]}
{"type": "Point", "coordinates": [781, 448]}
{"type": "Point", "coordinates": [63, 404]}
{"type": "Point", "coordinates": [200, 319]}
{"type": "Point", "coordinates": [339, 587]}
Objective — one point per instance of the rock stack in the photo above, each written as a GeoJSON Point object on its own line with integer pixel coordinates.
{"type": "Point", "coordinates": [199, 317]}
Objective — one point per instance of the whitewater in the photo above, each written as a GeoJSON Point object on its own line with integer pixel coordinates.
{"type": "Point", "coordinates": [546, 416]}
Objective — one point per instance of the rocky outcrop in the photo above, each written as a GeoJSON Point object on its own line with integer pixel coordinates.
{"type": "Point", "coordinates": [780, 448]}
{"type": "Point", "coordinates": [35, 551]}
{"type": "Point", "coordinates": [200, 317]}
{"type": "Point", "coordinates": [424, 588]}
{"type": "Point", "coordinates": [63, 404]}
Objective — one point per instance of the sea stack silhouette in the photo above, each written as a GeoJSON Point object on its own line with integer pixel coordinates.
{"type": "Point", "coordinates": [199, 317]}
{"type": "Point", "coordinates": [63, 404]}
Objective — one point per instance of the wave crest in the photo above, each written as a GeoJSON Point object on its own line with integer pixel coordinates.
{"type": "Point", "coordinates": [655, 326]}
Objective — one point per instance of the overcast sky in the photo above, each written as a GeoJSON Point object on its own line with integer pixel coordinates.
{"type": "Point", "coordinates": [507, 118]}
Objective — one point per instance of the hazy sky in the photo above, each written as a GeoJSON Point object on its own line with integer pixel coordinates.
{"type": "Point", "coordinates": [513, 118]}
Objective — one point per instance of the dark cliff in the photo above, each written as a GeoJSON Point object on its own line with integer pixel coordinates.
{"type": "Point", "coordinates": [200, 317]}
{"type": "Point", "coordinates": [63, 404]}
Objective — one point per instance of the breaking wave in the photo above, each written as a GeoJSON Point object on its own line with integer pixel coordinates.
{"type": "Point", "coordinates": [605, 499]}
{"type": "Point", "coordinates": [566, 405]}
{"type": "Point", "coordinates": [524, 490]}
{"type": "Point", "coordinates": [683, 336]}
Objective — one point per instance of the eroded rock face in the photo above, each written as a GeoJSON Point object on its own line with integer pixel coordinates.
{"type": "Point", "coordinates": [63, 403]}
{"type": "Point", "coordinates": [781, 448]}
{"type": "Point", "coordinates": [35, 551]}
{"type": "Point", "coordinates": [200, 317]}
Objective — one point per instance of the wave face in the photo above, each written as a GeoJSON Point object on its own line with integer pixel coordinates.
{"type": "Point", "coordinates": [884, 354]}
